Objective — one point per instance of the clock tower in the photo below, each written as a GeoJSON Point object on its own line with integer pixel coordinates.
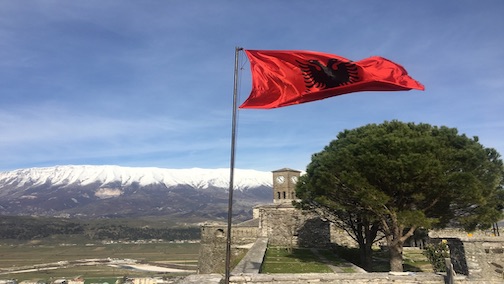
{"type": "Point", "coordinates": [284, 185]}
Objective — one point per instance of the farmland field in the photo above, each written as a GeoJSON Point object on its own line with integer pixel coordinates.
{"type": "Point", "coordinates": [35, 257]}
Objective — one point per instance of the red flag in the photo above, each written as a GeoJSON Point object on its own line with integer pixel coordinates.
{"type": "Point", "coordinates": [283, 78]}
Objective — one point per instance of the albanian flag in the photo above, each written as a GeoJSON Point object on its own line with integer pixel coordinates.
{"type": "Point", "coordinates": [284, 78]}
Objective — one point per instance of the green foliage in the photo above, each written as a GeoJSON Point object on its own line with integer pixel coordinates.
{"type": "Point", "coordinates": [436, 253]}
{"type": "Point", "coordinates": [399, 175]}
{"type": "Point", "coordinates": [27, 228]}
{"type": "Point", "coordinates": [118, 232]}
{"type": "Point", "coordinates": [30, 228]}
{"type": "Point", "coordinates": [417, 218]}
{"type": "Point", "coordinates": [427, 175]}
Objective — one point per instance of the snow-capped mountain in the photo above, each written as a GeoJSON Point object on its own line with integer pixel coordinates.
{"type": "Point", "coordinates": [113, 191]}
{"type": "Point", "coordinates": [126, 176]}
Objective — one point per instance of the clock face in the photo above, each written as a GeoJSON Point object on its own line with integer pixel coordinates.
{"type": "Point", "coordinates": [294, 179]}
{"type": "Point", "coordinates": [280, 179]}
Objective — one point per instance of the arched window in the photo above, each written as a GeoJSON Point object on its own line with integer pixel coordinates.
{"type": "Point", "coordinates": [219, 233]}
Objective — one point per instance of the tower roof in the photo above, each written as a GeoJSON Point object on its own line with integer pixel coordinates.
{"type": "Point", "coordinates": [286, 170]}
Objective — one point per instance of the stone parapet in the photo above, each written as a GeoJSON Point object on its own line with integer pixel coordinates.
{"type": "Point", "coordinates": [202, 279]}
{"type": "Point", "coordinates": [462, 235]}
{"type": "Point", "coordinates": [340, 278]}
{"type": "Point", "coordinates": [329, 278]}
{"type": "Point", "coordinates": [477, 255]}
{"type": "Point", "coordinates": [253, 260]}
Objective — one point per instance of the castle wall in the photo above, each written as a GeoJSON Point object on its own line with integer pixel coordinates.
{"type": "Point", "coordinates": [287, 226]}
{"type": "Point", "coordinates": [340, 237]}
{"type": "Point", "coordinates": [212, 254]}
{"type": "Point", "coordinates": [480, 255]}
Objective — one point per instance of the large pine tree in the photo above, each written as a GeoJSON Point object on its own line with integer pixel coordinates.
{"type": "Point", "coordinates": [398, 177]}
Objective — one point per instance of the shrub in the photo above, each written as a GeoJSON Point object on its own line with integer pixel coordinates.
{"type": "Point", "coordinates": [436, 253]}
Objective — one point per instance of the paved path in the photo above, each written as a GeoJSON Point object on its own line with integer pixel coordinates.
{"type": "Point", "coordinates": [340, 268]}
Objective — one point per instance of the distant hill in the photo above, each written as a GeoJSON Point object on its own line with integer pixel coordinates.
{"type": "Point", "coordinates": [117, 192]}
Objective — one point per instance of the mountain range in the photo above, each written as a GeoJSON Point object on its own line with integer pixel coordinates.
{"type": "Point", "coordinates": [86, 191]}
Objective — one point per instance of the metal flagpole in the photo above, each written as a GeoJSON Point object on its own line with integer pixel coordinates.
{"type": "Point", "coordinates": [231, 167]}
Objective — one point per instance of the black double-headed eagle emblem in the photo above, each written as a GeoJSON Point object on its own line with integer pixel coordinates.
{"type": "Point", "coordinates": [334, 74]}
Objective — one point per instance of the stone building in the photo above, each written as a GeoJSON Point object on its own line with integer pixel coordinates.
{"type": "Point", "coordinates": [280, 222]}
{"type": "Point", "coordinates": [284, 185]}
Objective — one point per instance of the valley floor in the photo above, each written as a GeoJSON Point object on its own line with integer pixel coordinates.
{"type": "Point", "coordinates": [45, 262]}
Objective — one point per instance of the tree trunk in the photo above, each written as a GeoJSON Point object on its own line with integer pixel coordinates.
{"type": "Point", "coordinates": [365, 234]}
{"type": "Point", "coordinates": [366, 256]}
{"type": "Point", "coordinates": [395, 236]}
{"type": "Point", "coordinates": [396, 257]}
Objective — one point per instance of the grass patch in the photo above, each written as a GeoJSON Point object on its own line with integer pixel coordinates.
{"type": "Point", "coordinates": [332, 257]}
{"type": "Point", "coordinates": [348, 254]}
{"type": "Point", "coordinates": [283, 260]}
{"type": "Point", "coordinates": [343, 265]}
{"type": "Point", "coordinates": [413, 259]}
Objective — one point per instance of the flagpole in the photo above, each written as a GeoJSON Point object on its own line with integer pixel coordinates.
{"type": "Point", "coordinates": [231, 167]}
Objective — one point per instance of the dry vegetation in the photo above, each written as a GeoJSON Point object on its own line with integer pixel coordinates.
{"type": "Point", "coordinates": [16, 255]}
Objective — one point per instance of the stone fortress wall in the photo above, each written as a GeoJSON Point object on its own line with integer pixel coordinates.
{"type": "Point", "coordinates": [477, 257]}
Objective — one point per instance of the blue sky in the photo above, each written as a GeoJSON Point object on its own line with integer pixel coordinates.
{"type": "Point", "coordinates": [150, 83]}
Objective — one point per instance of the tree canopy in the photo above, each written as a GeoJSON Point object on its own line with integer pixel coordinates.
{"type": "Point", "coordinates": [397, 177]}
